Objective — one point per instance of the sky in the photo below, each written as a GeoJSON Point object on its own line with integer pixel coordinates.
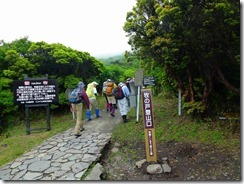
{"type": "Point", "coordinates": [94, 26]}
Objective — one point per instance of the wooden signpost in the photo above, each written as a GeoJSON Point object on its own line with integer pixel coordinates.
{"type": "Point", "coordinates": [151, 150]}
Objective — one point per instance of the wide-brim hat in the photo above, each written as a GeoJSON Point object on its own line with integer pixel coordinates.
{"type": "Point", "coordinates": [81, 85]}
{"type": "Point", "coordinates": [94, 83]}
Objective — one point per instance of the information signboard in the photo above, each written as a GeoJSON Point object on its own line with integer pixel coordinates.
{"type": "Point", "coordinates": [39, 91]}
{"type": "Point", "coordinates": [148, 81]}
{"type": "Point", "coordinates": [139, 77]}
{"type": "Point", "coordinates": [151, 151]}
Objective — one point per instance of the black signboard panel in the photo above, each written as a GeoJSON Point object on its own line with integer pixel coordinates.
{"type": "Point", "coordinates": [40, 91]}
{"type": "Point", "coordinates": [148, 81]}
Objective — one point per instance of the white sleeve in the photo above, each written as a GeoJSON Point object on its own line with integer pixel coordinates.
{"type": "Point", "coordinates": [94, 90]}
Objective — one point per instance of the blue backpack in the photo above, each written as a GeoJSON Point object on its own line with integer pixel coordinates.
{"type": "Point", "coordinates": [74, 96]}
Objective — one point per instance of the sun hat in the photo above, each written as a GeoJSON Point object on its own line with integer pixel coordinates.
{"type": "Point", "coordinates": [94, 83]}
{"type": "Point", "coordinates": [81, 84]}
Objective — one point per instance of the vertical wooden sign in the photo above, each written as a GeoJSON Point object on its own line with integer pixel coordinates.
{"type": "Point", "coordinates": [151, 150]}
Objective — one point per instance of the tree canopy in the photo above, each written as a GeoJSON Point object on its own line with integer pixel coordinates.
{"type": "Point", "coordinates": [196, 44]}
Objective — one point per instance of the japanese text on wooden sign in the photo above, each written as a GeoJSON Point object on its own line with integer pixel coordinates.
{"type": "Point", "coordinates": [151, 151]}
{"type": "Point", "coordinates": [35, 91]}
{"type": "Point", "coordinates": [147, 108]}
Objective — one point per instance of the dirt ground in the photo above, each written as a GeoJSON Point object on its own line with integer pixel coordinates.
{"type": "Point", "coordinates": [188, 162]}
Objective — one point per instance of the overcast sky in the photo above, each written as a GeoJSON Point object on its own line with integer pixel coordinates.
{"type": "Point", "coordinates": [94, 26]}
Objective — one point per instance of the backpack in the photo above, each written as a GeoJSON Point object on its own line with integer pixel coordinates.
{"type": "Point", "coordinates": [74, 97]}
{"type": "Point", "coordinates": [104, 87]}
{"type": "Point", "coordinates": [118, 93]}
{"type": "Point", "coordinates": [109, 89]}
{"type": "Point", "coordinates": [89, 90]}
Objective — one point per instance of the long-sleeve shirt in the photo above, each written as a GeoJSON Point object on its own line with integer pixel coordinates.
{"type": "Point", "coordinates": [85, 98]}
{"type": "Point", "coordinates": [126, 91]}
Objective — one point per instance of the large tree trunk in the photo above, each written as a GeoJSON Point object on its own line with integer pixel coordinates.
{"type": "Point", "coordinates": [190, 82]}
{"type": "Point", "coordinates": [208, 86]}
{"type": "Point", "coordinates": [177, 78]}
{"type": "Point", "coordinates": [221, 78]}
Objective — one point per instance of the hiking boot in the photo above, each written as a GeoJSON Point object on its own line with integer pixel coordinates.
{"type": "Point", "coordinates": [112, 115]}
{"type": "Point", "coordinates": [77, 135]}
{"type": "Point", "coordinates": [125, 120]}
{"type": "Point", "coordinates": [82, 129]}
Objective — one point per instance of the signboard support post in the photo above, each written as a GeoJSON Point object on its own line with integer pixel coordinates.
{"type": "Point", "coordinates": [27, 117]}
{"type": "Point", "coordinates": [149, 128]}
{"type": "Point", "coordinates": [179, 103]}
{"type": "Point", "coordinates": [138, 82]}
{"type": "Point", "coordinates": [48, 117]}
{"type": "Point", "coordinates": [138, 104]}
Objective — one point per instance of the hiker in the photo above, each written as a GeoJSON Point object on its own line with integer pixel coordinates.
{"type": "Point", "coordinates": [109, 93]}
{"type": "Point", "coordinates": [92, 95]}
{"type": "Point", "coordinates": [128, 83]}
{"type": "Point", "coordinates": [104, 94]}
{"type": "Point", "coordinates": [123, 103]}
{"type": "Point", "coordinates": [78, 108]}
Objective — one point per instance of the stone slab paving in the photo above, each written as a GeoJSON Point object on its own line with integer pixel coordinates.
{"type": "Point", "coordinates": [63, 157]}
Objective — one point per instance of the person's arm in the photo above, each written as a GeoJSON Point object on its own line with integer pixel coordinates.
{"type": "Point", "coordinates": [86, 99]}
{"type": "Point", "coordinates": [95, 91]}
{"type": "Point", "coordinates": [126, 91]}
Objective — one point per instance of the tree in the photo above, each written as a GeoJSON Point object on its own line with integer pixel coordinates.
{"type": "Point", "coordinates": [194, 42]}
{"type": "Point", "coordinates": [22, 57]}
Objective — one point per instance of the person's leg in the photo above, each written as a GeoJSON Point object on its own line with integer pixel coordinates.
{"type": "Point", "coordinates": [79, 124]}
{"type": "Point", "coordinates": [107, 103]}
{"type": "Point", "coordinates": [112, 108]}
{"type": "Point", "coordinates": [88, 112]}
{"type": "Point", "coordinates": [123, 107]}
{"type": "Point", "coordinates": [96, 108]}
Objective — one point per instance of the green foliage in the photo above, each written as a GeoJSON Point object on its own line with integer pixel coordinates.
{"type": "Point", "coordinates": [194, 44]}
{"type": "Point", "coordinates": [22, 57]}
{"type": "Point", "coordinates": [194, 107]}
{"type": "Point", "coordinates": [71, 81]}
{"type": "Point", "coordinates": [119, 68]}
{"type": "Point", "coordinates": [36, 59]}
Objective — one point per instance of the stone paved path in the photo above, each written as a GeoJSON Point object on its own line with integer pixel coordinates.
{"type": "Point", "coordinates": [63, 157]}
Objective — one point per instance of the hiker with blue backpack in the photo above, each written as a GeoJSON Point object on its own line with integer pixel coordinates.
{"type": "Point", "coordinates": [92, 95]}
{"type": "Point", "coordinates": [78, 97]}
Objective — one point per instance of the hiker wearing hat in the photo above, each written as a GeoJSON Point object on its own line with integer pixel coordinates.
{"type": "Point", "coordinates": [123, 103]}
{"type": "Point", "coordinates": [92, 95]}
{"type": "Point", "coordinates": [78, 107]}
{"type": "Point", "coordinates": [110, 85]}
{"type": "Point", "coordinates": [104, 94]}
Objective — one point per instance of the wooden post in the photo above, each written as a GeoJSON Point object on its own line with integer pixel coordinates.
{"type": "Point", "coordinates": [151, 149]}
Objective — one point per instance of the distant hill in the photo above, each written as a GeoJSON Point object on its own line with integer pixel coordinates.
{"type": "Point", "coordinates": [113, 59]}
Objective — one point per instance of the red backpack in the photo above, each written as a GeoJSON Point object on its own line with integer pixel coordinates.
{"type": "Point", "coordinates": [118, 93]}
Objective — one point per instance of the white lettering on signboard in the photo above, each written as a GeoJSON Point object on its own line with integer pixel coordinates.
{"type": "Point", "coordinates": [147, 110]}
{"type": "Point", "coordinates": [150, 142]}
{"type": "Point", "coordinates": [38, 93]}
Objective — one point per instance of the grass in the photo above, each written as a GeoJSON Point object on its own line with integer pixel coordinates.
{"type": "Point", "coordinates": [170, 126]}
{"type": "Point", "coordinates": [16, 142]}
